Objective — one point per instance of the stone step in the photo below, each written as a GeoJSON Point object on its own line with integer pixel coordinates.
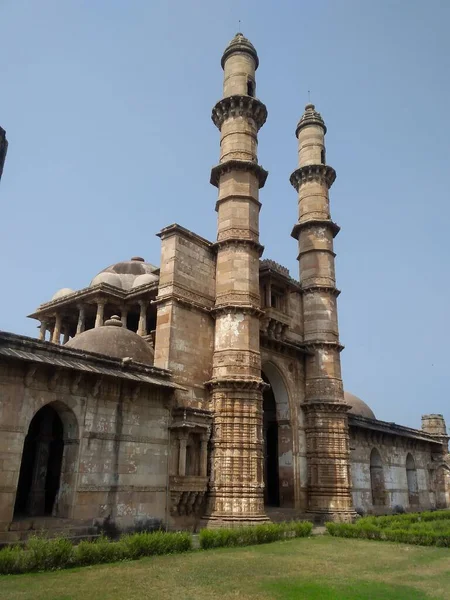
{"type": "Point", "coordinates": [278, 515]}
{"type": "Point", "coordinates": [47, 523]}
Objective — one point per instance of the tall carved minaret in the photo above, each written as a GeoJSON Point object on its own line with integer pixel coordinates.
{"type": "Point", "coordinates": [329, 485]}
{"type": "Point", "coordinates": [236, 488]}
{"type": "Point", "coordinates": [3, 149]}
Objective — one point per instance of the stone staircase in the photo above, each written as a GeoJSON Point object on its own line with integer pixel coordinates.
{"type": "Point", "coordinates": [50, 527]}
{"type": "Point", "coordinates": [278, 515]}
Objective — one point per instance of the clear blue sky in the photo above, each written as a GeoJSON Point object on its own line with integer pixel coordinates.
{"type": "Point", "coordinates": [107, 108]}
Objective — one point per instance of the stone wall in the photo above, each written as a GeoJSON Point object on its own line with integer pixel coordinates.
{"type": "Point", "coordinates": [387, 482]}
{"type": "Point", "coordinates": [185, 328]}
{"type": "Point", "coordinates": [115, 435]}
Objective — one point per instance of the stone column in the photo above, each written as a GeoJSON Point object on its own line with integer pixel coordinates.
{"type": "Point", "coordinates": [124, 315]}
{"type": "Point", "coordinates": [99, 317]}
{"type": "Point", "coordinates": [182, 442]}
{"type": "Point", "coordinates": [204, 454]}
{"type": "Point", "coordinates": [328, 454]}
{"type": "Point", "coordinates": [42, 330]}
{"type": "Point", "coordinates": [142, 328]}
{"type": "Point", "coordinates": [57, 329]}
{"type": "Point", "coordinates": [236, 485]}
{"type": "Point", "coordinates": [81, 320]}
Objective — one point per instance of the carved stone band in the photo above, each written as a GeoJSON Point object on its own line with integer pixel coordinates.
{"type": "Point", "coordinates": [239, 106]}
{"type": "Point", "coordinates": [321, 173]}
{"type": "Point", "coordinates": [315, 222]}
{"type": "Point", "coordinates": [238, 165]}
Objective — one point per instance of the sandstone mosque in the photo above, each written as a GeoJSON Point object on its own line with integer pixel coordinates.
{"type": "Point", "coordinates": [206, 391]}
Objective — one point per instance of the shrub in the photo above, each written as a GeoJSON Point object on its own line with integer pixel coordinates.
{"type": "Point", "coordinates": [158, 542]}
{"type": "Point", "coordinates": [257, 534]}
{"type": "Point", "coordinates": [98, 551]}
{"type": "Point", "coordinates": [44, 554]}
{"type": "Point", "coordinates": [426, 529]}
{"type": "Point", "coordinates": [11, 560]}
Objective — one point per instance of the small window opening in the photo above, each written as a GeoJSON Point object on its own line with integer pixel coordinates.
{"type": "Point", "coordinates": [322, 156]}
{"type": "Point", "coordinates": [250, 88]}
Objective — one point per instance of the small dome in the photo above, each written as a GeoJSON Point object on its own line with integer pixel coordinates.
{"type": "Point", "coordinates": [113, 340]}
{"type": "Point", "coordinates": [240, 44]}
{"type": "Point", "coordinates": [61, 293]}
{"type": "Point", "coordinates": [310, 117]}
{"type": "Point", "coordinates": [144, 279]}
{"type": "Point", "coordinates": [123, 274]}
{"type": "Point", "coordinates": [109, 278]}
{"type": "Point", "coordinates": [358, 406]}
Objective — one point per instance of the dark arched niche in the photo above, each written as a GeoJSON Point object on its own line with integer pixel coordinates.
{"type": "Point", "coordinates": [47, 475]}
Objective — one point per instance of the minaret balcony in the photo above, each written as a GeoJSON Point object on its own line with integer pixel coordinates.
{"type": "Point", "coordinates": [239, 106]}
{"type": "Point", "coordinates": [321, 173]}
{"type": "Point", "coordinates": [238, 165]}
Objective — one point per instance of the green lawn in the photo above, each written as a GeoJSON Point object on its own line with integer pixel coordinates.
{"type": "Point", "coordinates": [318, 568]}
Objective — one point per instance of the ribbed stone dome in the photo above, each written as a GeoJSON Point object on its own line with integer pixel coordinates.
{"type": "Point", "coordinates": [113, 340]}
{"type": "Point", "coordinates": [358, 406]}
{"type": "Point", "coordinates": [123, 274]}
{"type": "Point", "coordinates": [240, 44]}
{"type": "Point", "coordinates": [61, 293]}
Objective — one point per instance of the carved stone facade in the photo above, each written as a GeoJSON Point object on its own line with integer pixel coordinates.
{"type": "Point", "coordinates": [208, 390]}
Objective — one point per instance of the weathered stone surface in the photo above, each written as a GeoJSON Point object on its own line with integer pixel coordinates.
{"type": "Point", "coordinates": [243, 414]}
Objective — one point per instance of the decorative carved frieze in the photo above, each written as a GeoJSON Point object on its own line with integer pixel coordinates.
{"type": "Point", "coordinates": [139, 439]}
{"type": "Point", "coordinates": [320, 173]}
{"type": "Point", "coordinates": [310, 223]}
{"type": "Point", "coordinates": [238, 165]}
{"type": "Point", "coordinates": [239, 106]}
{"type": "Point", "coordinates": [237, 383]}
{"type": "Point", "coordinates": [237, 242]}
{"type": "Point", "coordinates": [121, 488]}
{"type": "Point", "coordinates": [234, 307]}
{"type": "Point", "coordinates": [183, 293]}
{"type": "Point", "coordinates": [321, 289]}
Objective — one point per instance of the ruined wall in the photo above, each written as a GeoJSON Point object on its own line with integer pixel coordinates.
{"type": "Point", "coordinates": [114, 463]}
{"type": "Point", "coordinates": [393, 451]}
{"type": "Point", "coordinates": [185, 328]}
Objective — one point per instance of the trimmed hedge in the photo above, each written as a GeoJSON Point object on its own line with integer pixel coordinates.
{"type": "Point", "coordinates": [256, 534]}
{"type": "Point", "coordinates": [424, 529]}
{"type": "Point", "coordinates": [41, 554]}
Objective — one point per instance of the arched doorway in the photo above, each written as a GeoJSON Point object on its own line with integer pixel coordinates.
{"type": "Point", "coordinates": [411, 478]}
{"type": "Point", "coordinates": [377, 479]}
{"type": "Point", "coordinates": [279, 484]}
{"type": "Point", "coordinates": [48, 464]}
{"type": "Point", "coordinates": [270, 434]}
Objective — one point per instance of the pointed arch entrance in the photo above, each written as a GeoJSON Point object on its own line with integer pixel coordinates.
{"type": "Point", "coordinates": [47, 472]}
{"type": "Point", "coordinates": [278, 468]}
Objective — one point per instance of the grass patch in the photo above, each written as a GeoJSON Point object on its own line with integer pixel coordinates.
{"type": "Point", "coordinates": [320, 567]}
{"type": "Point", "coordinates": [424, 529]}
